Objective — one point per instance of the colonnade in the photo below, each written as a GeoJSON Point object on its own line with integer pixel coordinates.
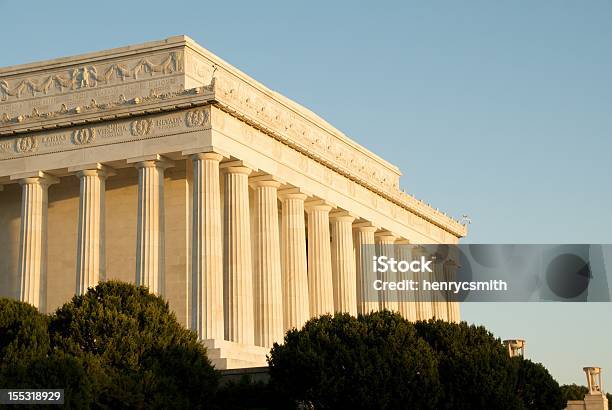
{"type": "Point", "coordinates": [249, 283]}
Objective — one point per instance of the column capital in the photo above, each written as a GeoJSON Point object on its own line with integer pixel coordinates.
{"type": "Point", "coordinates": [211, 156]}
{"type": "Point", "coordinates": [365, 226]}
{"type": "Point", "coordinates": [402, 241]}
{"type": "Point", "coordinates": [318, 205]}
{"type": "Point", "coordinates": [265, 180]}
{"type": "Point", "coordinates": [342, 215]}
{"type": "Point", "coordinates": [293, 193]}
{"type": "Point", "coordinates": [150, 161]}
{"type": "Point", "coordinates": [237, 167]}
{"type": "Point", "coordinates": [195, 152]}
{"type": "Point", "coordinates": [93, 169]}
{"type": "Point", "coordinates": [34, 177]}
{"type": "Point", "coordinates": [418, 251]}
{"type": "Point", "coordinates": [385, 234]}
{"type": "Point", "coordinates": [450, 263]}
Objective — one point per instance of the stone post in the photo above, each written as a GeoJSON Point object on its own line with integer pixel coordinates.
{"type": "Point", "coordinates": [406, 298]}
{"type": "Point", "coordinates": [516, 347]}
{"type": "Point", "coordinates": [267, 281]}
{"type": "Point", "coordinates": [344, 275]}
{"type": "Point", "coordinates": [237, 268]}
{"type": "Point", "coordinates": [296, 310]}
{"type": "Point", "coordinates": [424, 298]}
{"type": "Point", "coordinates": [150, 247]}
{"type": "Point", "coordinates": [593, 375]}
{"type": "Point", "coordinates": [367, 296]}
{"type": "Point", "coordinates": [91, 250]}
{"type": "Point", "coordinates": [320, 282]}
{"type": "Point", "coordinates": [440, 309]}
{"type": "Point", "coordinates": [452, 305]}
{"type": "Point", "coordinates": [385, 241]}
{"type": "Point", "coordinates": [33, 238]}
{"type": "Point", "coordinates": [207, 248]}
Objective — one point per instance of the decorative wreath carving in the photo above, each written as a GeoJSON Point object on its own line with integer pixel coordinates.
{"type": "Point", "coordinates": [83, 136]}
{"type": "Point", "coordinates": [141, 127]}
{"type": "Point", "coordinates": [196, 118]}
{"type": "Point", "coordinates": [26, 144]}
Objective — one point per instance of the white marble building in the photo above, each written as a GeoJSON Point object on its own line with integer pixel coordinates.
{"type": "Point", "coordinates": [163, 165]}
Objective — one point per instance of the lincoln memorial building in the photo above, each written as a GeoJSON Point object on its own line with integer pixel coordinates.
{"type": "Point", "coordinates": [162, 165]}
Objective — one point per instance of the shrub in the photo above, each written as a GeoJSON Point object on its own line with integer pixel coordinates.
{"type": "Point", "coordinates": [146, 358]}
{"type": "Point", "coordinates": [373, 361]}
{"type": "Point", "coordinates": [247, 394]}
{"type": "Point", "coordinates": [535, 386]}
{"type": "Point", "coordinates": [23, 333]}
{"type": "Point", "coordinates": [474, 368]}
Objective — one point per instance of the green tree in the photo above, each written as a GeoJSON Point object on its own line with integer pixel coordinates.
{"type": "Point", "coordinates": [26, 360]}
{"type": "Point", "coordinates": [77, 376]}
{"type": "Point", "coordinates": [535, 386]}
{"type": "Point", "coordinates": [474, 368]}
{"type": "Point", "coordinates": [371, 362]}
{"type": "Point", "coordinates": [247, 394]}
{"type": "Point", "coordinates": [145, 357]}
{"type": "Point", "coordinates": [23, 333]}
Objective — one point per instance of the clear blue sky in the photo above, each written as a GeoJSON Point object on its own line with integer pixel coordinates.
{"type": "Point", "coordinates": [501, 110]}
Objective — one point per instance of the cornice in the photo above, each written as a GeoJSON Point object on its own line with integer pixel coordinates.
{"type": "Point", "coordinates": [121, 108]}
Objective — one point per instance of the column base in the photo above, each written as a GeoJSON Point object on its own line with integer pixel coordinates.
{"type": "Point", "coordinates": [231, 355]}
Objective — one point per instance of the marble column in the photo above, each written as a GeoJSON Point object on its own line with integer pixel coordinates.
{"type": "Point", "coordinates": [33, 238]}
{"type": "Point", "coordinates": [440, 310]}
{"type": "Point", "coordinates": [207, 248]}
{"type": "Point", "coordinates": [296, 310]}
{"type": "Point", "coordinates": [406, 298]}
{"type": "Point", "coordinates": [363, 238]}
{"type": "Point", "coordinates": [150, 246]}
{"type": "Point", "coordinates": [91, 250]}
{"type": "Point", "coordinates": [237, 264]}
{"type": "Point", "coordinates": [452, 305]}
{"type": "Point", "coordinates": [343, 263]}
{"type": "Point", "coordinates": [385, 241]}
{"type": "Point", "coordinates": [267, 283]}
{"type": "Point", "coordinates": [320, 282]}
{"type": "Point", "coordinates": [424, 300]}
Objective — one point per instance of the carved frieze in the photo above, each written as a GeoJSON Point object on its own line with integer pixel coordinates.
{"type": "Point", "coordinates": [101, 133]}
{"type": "Point", "coordinates": [94, 107]}
{"type": "Point", "coordinates": [88, 76]}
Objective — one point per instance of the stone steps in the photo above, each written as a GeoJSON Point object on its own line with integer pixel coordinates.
{"type": "Point", "coordinates": [230, 355]}
{"type": "Point", "coordinates": [225, 363]}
